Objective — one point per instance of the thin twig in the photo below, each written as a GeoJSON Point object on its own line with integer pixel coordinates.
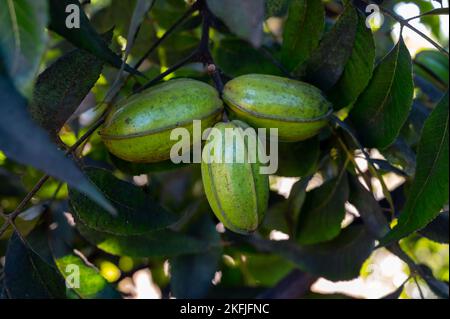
{"type": "Point", "coordinates": [180, 21]}
{"type": "Point", "coordinates": [419, 288]}
{"type": "Point", "coordinates": [405, 23]}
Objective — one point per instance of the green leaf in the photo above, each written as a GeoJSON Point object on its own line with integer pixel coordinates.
{"type": "Point", "coordinates": [61, 88]}
{"type": "Point", "coordinates": [144, 168]}
{"type": "Point", "coordinates": [24, 141]}
{"type": "Point", "coordinates": [433, 65]}
{"type": "Point", "coordinates": [85, 37]}
{"type": "Point", "coordinates": [438, 229]}
{"type": "Point", "coordinates": [276, 8]}
{"type": "Point", "coordinates": [429, 191]}
{"type": "Point", "coordinates": [327, 62]}
{"type": "Point", "coordinates": [92, 285]}
{"type": "Point", "coordinates": [339, 259]}
{"type": "Point", "coordinates": [163, 243]}
{"type": "Point", "coordinates": [302, 31]}
{"type": "Point", "coordinates": [358, 70]}
{"type": "Point", "coordinates": [244, 18]}
{"type": "Point", "coordinates": [28, 274]}
{"type": "Point", "coordinates": [323, 211]}
{"type": "Point", "coordinates": [236, 57]}
{"type": "Point", "coordinates": [298, 159]}
{"type": "Point", "coordinates": [23, 39]}
{"type": "Point", "coordinates": [192, 275]}
{"type": "Point", "coordinates": [137, 213]}
{"type": "Point", "coordinates": [383, 108]}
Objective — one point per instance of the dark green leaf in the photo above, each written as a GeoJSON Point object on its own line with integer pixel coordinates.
{"type": "Point", "coordinates": [323, 211]}
{"type": "Point", "coordinates": [395, 294]}
{"type": "Point", "coordinates": [439, 288]}
{"type": "Point", "coordinates": [368, 208]}
{"type": "Point", "coordinates": [61, 88]}
{"type": "Point", "coordinates": [144, 168]}
{"type": "Point", "coordinates": [192, 275]}
{"type": "Point", "coordinates": [164, 243]}
{"type": "Point", "coordinates": [24, 141]}
{"type": "Point", "coordinates": [358, 70]}
{"type": "Point", "coordinates": [85, 37]}
{"type": "Point", "coordinates": [244, 18]}
{"type": "Point", "coordinates": [302, 31]}
{"type": "Point", "coordinates": [438, 229]}
{"type": "Point", "coordinates": [339, 259]}
{"type": "Point", "coordinates": [276, 7]}
{"type": "Point", "coordinates": [298, 159]}
{"type": "Point", "coordinates": [429, 192]}
{"type": "Point", "coordinates": [382, 109]}
{"type": "Point", "coordinates": [23, 39]}
{"type": "Point", "coordinates": [137, 213]}
{"type": "Point", "coordinates": [10, 184]}
{"type": "Point", "coordinates": [327, 62]}
{"type": "Point", "coordinates": [30, 275]}
{"type": "Point", "coordinates": [236, 57]}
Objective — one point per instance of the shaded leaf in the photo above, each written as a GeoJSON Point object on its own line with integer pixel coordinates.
{"type": "Point", "coordinates": [339, 259]}
{"type": "Point", "coordinates": [236, 57]}
{"type": "Point", "coordinates": [137, 213]}
{"type": "Point", "coordinates": [429, 191]}
{"type": "Point", "coordinates": [244, 18]}
{"type": "Point", "coordinates": [25, 142]}
{"type": "Point", "coordinates": [61, 88]}
{"type": "Point", "coordinates": [382, 109]}
{"type": "Point", "coordinates": [438, 229]}
{"type": "Point", "coordinates": [23, 39]}
{"type": "Point", "coordinates": [395, 294]}
{"type": "Point", "coordinates": [144, 168]}
{"type": "Point", "coordinates": [298, 159]}
{"type": "Point", "coordinates": [368, 208]}
{"type": "Point", "coordinates": [438, 287]}
{"type": "Point", "coordinates": [192, 275]}
{"type": "Point", "coordinates": [10, 184]}
{"type": "Point", "coordinates": [302, 31]}
{"type": "Point", "coordinates": [85, 37]}
{"type": "Point", "coordinates": [29, 275]}
{"type": "Point", "coordinates": [323, 211]}
{"type": "Point", "coordinates": [327, 62]}
{"type": "Point", "coordinates": [358, 70]}
{"type": "Point", "coordinates": [163, 243]}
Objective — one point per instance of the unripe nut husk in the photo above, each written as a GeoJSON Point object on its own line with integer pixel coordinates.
{"type": "Point", "coordinates": [138, 130]}
{"type": "Point", "coordinates": [299, 110]}
{"type": "Point", "coordinates": [237, 192]}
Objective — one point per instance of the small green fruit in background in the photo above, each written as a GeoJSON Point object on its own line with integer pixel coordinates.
{"type": "Point", "coordinates": [299, 110]}
{"type": "Point", "coordinates": [236, 191]}
{"type": "Point", "coordinates": [138, 130]}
